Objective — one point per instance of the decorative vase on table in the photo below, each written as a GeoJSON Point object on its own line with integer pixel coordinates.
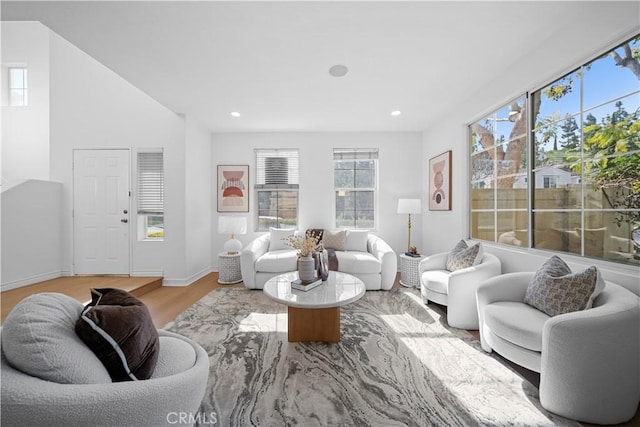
{"type": "Point", "coordinates": [322, 264]}
{"type": "Point", "coordinates": [306, 268]}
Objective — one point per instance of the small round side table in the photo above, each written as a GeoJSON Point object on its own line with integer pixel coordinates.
{"type": "Point", "coordinates": [229, 268]}
{"type": "Point", "coordinates": [409, 274]}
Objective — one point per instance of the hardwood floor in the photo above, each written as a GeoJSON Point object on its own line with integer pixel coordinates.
{"type": "Point", "coordinates": [166, 302]}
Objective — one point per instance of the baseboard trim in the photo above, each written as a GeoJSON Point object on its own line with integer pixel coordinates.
{"type": "Point", "coordinates": [187, 281]}
{"type": "Point", "coordinates": [6, 286]}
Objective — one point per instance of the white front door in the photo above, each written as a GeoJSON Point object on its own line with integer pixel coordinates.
{"type": "Point", "coordinates": [101, 211]}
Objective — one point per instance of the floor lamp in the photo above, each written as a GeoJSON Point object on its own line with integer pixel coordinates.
{"type": "Point", "coordinates": [409, 206]}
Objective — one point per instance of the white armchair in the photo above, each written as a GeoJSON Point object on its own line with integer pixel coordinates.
{"type": "Point", "coordinates": [588, 360]}
{"type": "Point", "coordinates": [456, 289]}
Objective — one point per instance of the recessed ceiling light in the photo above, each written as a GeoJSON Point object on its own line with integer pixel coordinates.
{"type": "Point", "coordinates": [338, 70]}
{"type": "Point", "coordinates": [396, 113]}
{"type": "Point", "coordinates": [235, 114]}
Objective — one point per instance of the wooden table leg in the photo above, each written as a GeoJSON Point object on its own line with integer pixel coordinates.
{"type": "Point", "coordinates": [314, 324]}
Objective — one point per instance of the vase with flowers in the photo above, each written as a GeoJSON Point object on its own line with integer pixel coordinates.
{"type": "Point", "coordinates": [306, 245]}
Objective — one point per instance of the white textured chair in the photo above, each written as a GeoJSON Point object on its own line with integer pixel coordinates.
{"type": "Point", "coordinates": [456, 289]}
{"type": "Point", "coordinates": [588, 360]}
{"type": "Point", "coordinates": [49, 377]}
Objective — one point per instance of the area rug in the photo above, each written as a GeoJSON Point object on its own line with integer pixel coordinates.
{"type": "Point", "coordinates": [397, 364]}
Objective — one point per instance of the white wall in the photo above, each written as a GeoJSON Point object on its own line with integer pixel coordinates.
{"type": "Point", "coordinates": [399, 177]}
{"type": "Point", "coordinates": [25, 130]}
{"type": "Point", "coordinates": [92, 107]}
{"type": "Point", "coordinates": [31, 233]}
{"type": "Point", "coordinates": [198, 200]}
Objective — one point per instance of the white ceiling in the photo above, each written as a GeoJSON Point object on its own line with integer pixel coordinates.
{"type": "Point", "coordinates": [270, 60]}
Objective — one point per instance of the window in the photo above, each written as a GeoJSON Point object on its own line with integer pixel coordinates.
{"type": "Point", "coordinates": [550, 182]}
{"type": "Point", "coordinates": [150, 195]}
{"type": "Point", "coordinates": [499, 173]}
{"type": "Point", "coordinates": [276, 188]}
{"type": "Point", "coordinates": [355, 186]}
{"type": "Point", "coordinates": [18, 86]}
{"type": "Point", "coordinates": [584, 141]}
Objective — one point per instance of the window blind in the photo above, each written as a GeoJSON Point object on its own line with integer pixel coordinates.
{"type": "Point", "coordinates": [277, 169]}
{"type": "Point", "coordinates": [355, 154]}
{"type": "Point", "coordinates": [151, 183]}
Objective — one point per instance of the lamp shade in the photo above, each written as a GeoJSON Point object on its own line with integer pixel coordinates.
{"type": "Point", "coordinates": [228, 224]}
{"type": "Point", "coordinates": [409, 206]}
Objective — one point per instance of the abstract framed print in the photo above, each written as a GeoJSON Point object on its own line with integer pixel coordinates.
{"type": "Point", "coordinates": [233, 188]}
{"type": "Point", "coordinates": [440, 182]}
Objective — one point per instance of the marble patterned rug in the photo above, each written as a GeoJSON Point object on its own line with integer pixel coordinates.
{"type": "Point", "coordinates": [398, 364]}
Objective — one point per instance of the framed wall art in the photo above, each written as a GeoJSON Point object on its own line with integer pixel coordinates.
{"type": "Point", "coordinates": [233, 188]}
{"type": "Point", "coordinates": [440, 182]}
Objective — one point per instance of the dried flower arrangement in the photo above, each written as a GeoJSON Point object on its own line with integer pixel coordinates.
{"type": "Point", "coordinates": [305, 245]}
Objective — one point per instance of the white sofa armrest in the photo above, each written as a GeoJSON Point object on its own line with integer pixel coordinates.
{"type": "Point", "coordinates": [594, 349]}
{"type": "Point", "coordinates": [379, 248]}
{"type": "Point", "coordinates": [433, 262]}
{"type": "Point", "coordinates": [462, 291]}
{"type": "Point", "coordinates": [248, 257]}
{"type": "Point", "coordinates": [506, 287]}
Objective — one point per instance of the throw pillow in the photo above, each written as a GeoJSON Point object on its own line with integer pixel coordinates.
{"type": "Point", "coordinates": [39, 339]}
{"type": "Point", "coordinates": [118, 328]}
{"type": "Point", "coordinates": [357, 240]}
{"type": "Point", "coordinates": [463, 256]}
{"type": "Point", "coordinates": [335, 240]}
{"type": "Point", "coordinates": [555, 290]}
{"type": "Point", "coordinates": [278, 238]}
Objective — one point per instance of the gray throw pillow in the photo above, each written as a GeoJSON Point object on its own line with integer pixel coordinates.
{"type": "Point", "coordinates": [463, 256]}
{"type": "Point", "coordinates": [335, 240]}
{"type": "Point", "coordinates": [39, 339]}
{"type": "Point", "coordinates": [118, 328]}
{"type": "Point", "coordinates": [555, 290]}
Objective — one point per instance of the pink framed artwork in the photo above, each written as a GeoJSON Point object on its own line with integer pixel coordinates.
{"type": "Point", "coordinates": [233, 188]}
{"type": "Point", "coordinates": [440, 182]}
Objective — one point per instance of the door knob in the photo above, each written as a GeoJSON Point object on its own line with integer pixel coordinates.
{"type": "Point", "coordinates": [125, 211]}
{"type": "Point", "coordinates": [125, 220]}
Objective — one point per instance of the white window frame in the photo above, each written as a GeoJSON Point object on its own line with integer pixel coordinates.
{"type": "Point", "coordinates": [24, 88]}
{"type": "Point", "coordinates": [271, 178]}
{"type": "Point", "coordinates": [357, 154]}
{"type": "Point", "coordinates": [153, 205]}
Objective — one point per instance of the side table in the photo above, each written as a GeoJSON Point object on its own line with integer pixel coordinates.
{"type": "Point", "coordinates": [409, 274]}
{"type": "Point", "coordinates": [229, 268]}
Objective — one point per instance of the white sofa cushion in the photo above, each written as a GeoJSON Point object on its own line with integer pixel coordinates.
{"type": "Point", "coordinates": [279, 261]}
{"type": "Point", "coordinates": [358, 263]}
{"type": "Point", "coordinates": [39, 339]}
{"type": "Point", "coordinates": [278, 236]}
{"type": "Point", "coordinates": [436, 280]}
{"type": "Point", "coordinates": [516, 322]}
{"type": "Point", "coordinates": [357, 240]}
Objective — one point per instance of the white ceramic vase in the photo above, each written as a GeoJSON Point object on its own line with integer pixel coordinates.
{"type": "Point", "coordinates": [306, 268]}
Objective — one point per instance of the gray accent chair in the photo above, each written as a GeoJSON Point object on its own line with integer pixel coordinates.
{"type": "Point", "coordinates": [588, 360]}
{"type": "Point", "coordinates": [175, 390]}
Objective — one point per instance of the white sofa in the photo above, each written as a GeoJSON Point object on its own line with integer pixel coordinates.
{"type": "Point", "coordinates": [456, 289]}
{"type": "Point", "coordinates": [589, 360]}
{"type": "Point", "coordinates": [377, 267]}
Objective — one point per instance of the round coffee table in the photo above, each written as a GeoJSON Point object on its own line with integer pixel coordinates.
{"type": "Point", "coordinates": [314, 315]}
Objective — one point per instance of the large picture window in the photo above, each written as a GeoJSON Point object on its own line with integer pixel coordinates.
{"type": "Point", "coordinates": [355, 185]}
{"type": "Point", "coordinates": [276, 188]}
{"type": "Point", "coordinates": [584, 146]}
